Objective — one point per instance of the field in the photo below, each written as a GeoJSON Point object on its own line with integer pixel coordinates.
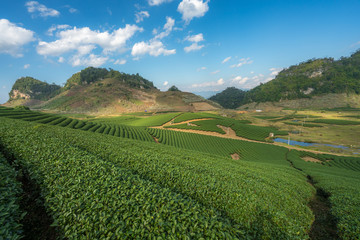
{"type": "Point", "coordinates": [116, 178]}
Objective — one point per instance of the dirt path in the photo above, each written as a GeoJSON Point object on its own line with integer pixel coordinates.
{"type": "Point", "coordinates": [230, 133]}
{"type": "Point", "coordinates": [169, 123]}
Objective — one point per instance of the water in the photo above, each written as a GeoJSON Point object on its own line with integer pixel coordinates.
{"type": "Point", "coordinates": [305, 144]}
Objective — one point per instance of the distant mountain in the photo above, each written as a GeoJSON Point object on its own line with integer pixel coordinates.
{"type": "Point", "coordinates": [230, 98]}
{"type": "Point", "coordinates": [102, 91]}
{"type": "Point", "coordinates": [313, 79]}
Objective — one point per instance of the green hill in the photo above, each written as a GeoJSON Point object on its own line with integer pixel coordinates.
{"type": "Point", "coordinates": [313, 78]}
{"type": "Point", "coordinates": [31, 88]}
{"type": "Point", "coordinates": [231, 97]}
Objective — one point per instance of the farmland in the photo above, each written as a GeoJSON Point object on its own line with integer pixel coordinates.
{"type": "Point", "coordinates": [122, 178]}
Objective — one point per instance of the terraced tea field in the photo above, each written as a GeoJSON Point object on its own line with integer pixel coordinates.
{"type": "Point", "coordinates": [101, 179]}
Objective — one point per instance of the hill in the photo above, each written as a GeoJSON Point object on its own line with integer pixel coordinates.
{"type": "Point", "coordinates": [230, 98]}
{"type": "Point", "coordinates": [102, 91]}
{"type": "Point", "coordinates": [27, 88]}
{"type": "Point", "coordinates": [312, 79]}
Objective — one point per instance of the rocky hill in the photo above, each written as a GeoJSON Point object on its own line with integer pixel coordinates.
{"type": "Point", "coordinates": [102, 91]}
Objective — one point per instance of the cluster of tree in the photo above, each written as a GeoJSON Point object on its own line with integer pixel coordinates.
{"type": "Point", "coordinates": [36, 89]}
{"type": "Point", "coordinates": [230, 98]}
{"type": "Point", "coordinates": [311, 78]}
{"type": "Point", "coordinates": [91, 74]}
{"type": "Point", "coordinates": [174, 89]}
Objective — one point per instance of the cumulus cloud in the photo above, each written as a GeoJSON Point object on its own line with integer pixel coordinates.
{"type": "Point", "coordinates": [120, 62]}
{"type": "Point", "coordinates": [84, 40]}
{"type": "Point", "coordinates": [226, 60]}
{"type": "Point", "coordinates": [53, 28]}
{"type": "Point", "coordinates": [209, 84]}
{"type": "Point", "coordinates": [215, 72]}
{"type": "Point", "coordinates": [166, 83]}
{"type": "Point", "coordinates": [61, 60]}
{"type": "Point", "coordinates": [193, 47]}
{"type": "Point", "coordinates": [153, 48]}
{"type": "Point", "coordinates": [13, 38]}
{"type": "Point", "coordinates": [38, 9]}
{"type": "Point", "coordinates": [200, 69]}
{"type": "Point", "coordinates": [26, 66]}
{"type": "Point", "coordinates": [168, 27]}
{"type": "Point", "coordinates": [91, 61]}
{"type": "Point", "coordinates": [157, 2]}
{"type": "Point", "coordinates": [139, 16]}
{"type": "Point", "coordinates": [240, 80]}
{"type": "Point", "coordinates": [242, 62]}
{"type": "Point", "coordinates": [192, 8]}
{"type": "Point", "coordinates": [195, 39]}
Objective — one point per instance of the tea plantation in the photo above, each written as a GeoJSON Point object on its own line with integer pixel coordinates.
{"type": "Point", "coordinates": [102, 180]}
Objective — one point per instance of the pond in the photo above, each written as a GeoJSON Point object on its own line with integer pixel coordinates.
{"type": "Point", "coordinates": [306, 144]}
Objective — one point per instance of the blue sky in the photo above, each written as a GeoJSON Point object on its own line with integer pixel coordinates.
{"type": "Point", "coordinates": [197, 45]}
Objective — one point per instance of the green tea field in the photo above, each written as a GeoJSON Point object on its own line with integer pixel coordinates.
{"type": "Point", "coordinates": [133, 177]}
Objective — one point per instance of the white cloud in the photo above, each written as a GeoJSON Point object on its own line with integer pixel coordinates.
{"type": "Point", "coordinates": [53, 28]}
{"type": "Point", "coordinates": [84, 40]}
{"type": "Point", "coordinates": [139, 16]}
{"type": "Point", "coordinates": [209, 84]}
{"type": "Point", "coordinates": [168, 27]}
{"type": "Point", "coordinates": [193, 47]}
{"type": "Point", "coordinates": [242, 62]}
{"type": "Point", "coordinates": [166, 83]}
{"type": "Point", "coordinates": [26, 66]}
{"type": "Point", "coordinates": [120, 62]}
{"type": "Point", "coordinates": [192, 8]}
{"type": "Point", "coordinates": [226, 60]}
{"type": "Point", "coordinates": [200, 69]}
{"type": "Point", "coordinates": [275, 71]}
{"type": "Point", "coordinates": [61, 60]}
{"type": "Point", "coordinates": [92, 60]}
{"type": "Point", "coordinates": [215, 72]}
{"type": "Point", "coordinates": [195, 38]}
{"type": "Point", "coordinates": [240, 80]}
{"type": "Point", "coordinates": [153, 48]}
{"type": "Point", "coordinates": [109, 11]}
{"type": "Point", "coordinates": [72, 10]}
{"type": "Point", "coordinates": [13, 38]}
{"type": "Point", "coordinates": [35, 8]}
{"type": "Point", "coordinates": [4, 87]}
{"type": "Point", "coordinates": [157, 2]}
